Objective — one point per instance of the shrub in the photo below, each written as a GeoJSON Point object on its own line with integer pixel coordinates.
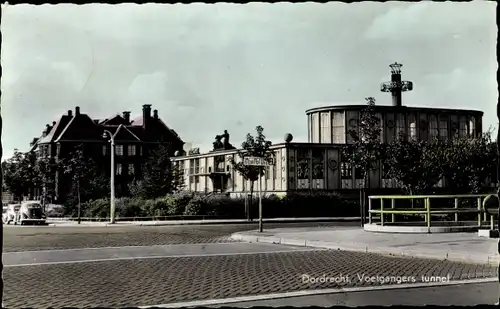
{"type": "Point", "coordinates": [177, 202]}
{"type": "Point", "coordinates": [130, 207]}
{"type": "Point", "coordinates": [196, 206]}
{"type": "Point", "coordinates": [96, 208]}
{"type": "Point", "coordinates": [225, 206]}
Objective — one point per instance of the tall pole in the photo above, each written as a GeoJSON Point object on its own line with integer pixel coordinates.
{"type": "Point", "coordinates": [498, 184]}
{"type": "Point", "coordinates": [260, 203]}
{"type": "Point", "coordinates": [112, 176]}
{"type": "Point", "coordinates": [112, 200]}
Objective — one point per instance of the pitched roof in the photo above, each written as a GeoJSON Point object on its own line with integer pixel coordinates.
{"type": "Point", "coordinates": [56, 130]}
{"type": "Point", "coordinates": [122, 133]}
{"type": "Point", "coordinates": [81, 127]}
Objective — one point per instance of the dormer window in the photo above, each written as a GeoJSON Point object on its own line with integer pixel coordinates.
{"type": "Point", "coordinates": [119, 150]}
{"type": "Point", "coordinates": [131, 151]}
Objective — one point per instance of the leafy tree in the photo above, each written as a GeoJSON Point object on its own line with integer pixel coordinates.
{"type": "Point", "coordinates": [469, 162]}
{"type": "Point", "coordinates": [87, 181]}
{"type": "Point", "coordinates": [20, 175]}
{"type": "Point", "coordinates": [366, 150]}
{"type": "Point", "coordinates": [256, 146]}
{"type": "Point", "coordinates": [46, 168]}
{"type": "Point", "coordinates": [417, 166]}
{"type": "Point", "coordinates": [160, 177]}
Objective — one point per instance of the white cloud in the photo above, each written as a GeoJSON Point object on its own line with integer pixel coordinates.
{"type": "Point", "coordinates": [430, 20]}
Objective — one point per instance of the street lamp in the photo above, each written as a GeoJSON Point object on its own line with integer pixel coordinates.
{"type": "Point", "coordinates": [112, 200]}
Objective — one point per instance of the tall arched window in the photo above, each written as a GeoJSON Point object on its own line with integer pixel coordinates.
{"type": "Point", "coordinates": [326, 127]}
{"type": "Point", "coordinates": [443, 127]}
{"type": "Point", "coordinates": [412, 127]}
{"type": "Point", "coordinates": [472, 126]}
{"type": "Point", "coordinates": [400, 125]}
{"type": "Point", "coordinates": [433, 126]}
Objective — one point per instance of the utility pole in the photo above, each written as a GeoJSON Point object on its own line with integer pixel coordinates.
{"type": "Point", "coordinates": [112, 177]}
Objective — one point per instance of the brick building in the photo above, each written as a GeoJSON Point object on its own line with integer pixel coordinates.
{"type": "Point", "coordinates": [134, 139]}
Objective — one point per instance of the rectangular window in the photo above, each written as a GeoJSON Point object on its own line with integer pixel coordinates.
{"type": "Point", "coordinates": [104, 150]}
{"type": "Point", "coordinates": [433, 126]}
{"type": "Point", "coordinates": [119, 150]}
{"type": "Point", "coordinates": [380, 127]}
{"type": "Point", "coordinates": [194, 166]}
{"type": "Point", "coordinates": [338, 127]}
{"type": "Point", "coordinates": [326, 128]}
{"type": "Point", "coordinates": [315, 128]}
{"type": "Point", "coordinates": [197, 166]}
{"type": "Point", "coordinates": [412, 127]}
{"type": "Point", "coordinates": [131, 151]}
{"type": "Point", "coordinates": [268, 172]}
{"type": "Point", "coordinates": [472, 127]}
{"type": "Point", "coordinates": [131, 169]}
{"type": "Point", "coordinates": [345, 170]}
{"type": "Point", "coordinates": [443, 128]}
{"type": "Point", "coordinates": [119, 169]}
{"type": "Point", "coordinates": [400, 126]}
{"type": "Point", "coordinates": [463, 127]}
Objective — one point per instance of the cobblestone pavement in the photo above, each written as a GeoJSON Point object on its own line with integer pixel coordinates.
{"type": "Point", "coordinates": [165, 280]}
{"type": "Point", "coordinates": [49, 238]}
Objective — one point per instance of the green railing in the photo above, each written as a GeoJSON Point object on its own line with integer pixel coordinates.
{"type": "Point", "coordinates": [388, 207]}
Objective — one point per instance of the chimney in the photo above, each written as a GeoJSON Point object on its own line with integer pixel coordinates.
{"type": "Point", "coordinates": [126, 116]}
{"type": "Point", "coordinates": [70, 113]}
{"type": "Point", "coordinates": [77, 110]}
{"type": "Point", "coordinates": [48, 128]}
{"type": "Point", "coordinates": [155, 114]}
{"type": "Point", "coordinates": [53, 123]}
{"type": "Point", "coordinates": [146, 115]}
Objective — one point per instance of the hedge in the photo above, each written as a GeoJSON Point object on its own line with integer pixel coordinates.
{"type": "Point", "coordinates": [222, 206]}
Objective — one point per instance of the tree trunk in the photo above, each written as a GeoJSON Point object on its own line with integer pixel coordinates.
{"type": "Point", "coordinates": [79, 204]}
{"type": "Point", "coordinates": [251, 202]}
{"type": "Point", "coordinates": [363, 205]}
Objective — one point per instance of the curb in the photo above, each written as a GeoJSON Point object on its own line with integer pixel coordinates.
{"type": "Point", "coordinates": [206, 222]}
{"type": "Point", "coordinates": [354, 247]}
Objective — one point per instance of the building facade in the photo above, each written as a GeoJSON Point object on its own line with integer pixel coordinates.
{"type": "Point", "coordinates": [134, 139]}
{"type": "Point", "coordinates": [318, 164]}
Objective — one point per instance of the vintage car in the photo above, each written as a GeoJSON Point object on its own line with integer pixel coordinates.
{"type": "Point", "coordinates": [31, 212]}
{"type": "Point", "coordinates": [11, 213]}
{"type": "Point", "coordinates": [4, 213]}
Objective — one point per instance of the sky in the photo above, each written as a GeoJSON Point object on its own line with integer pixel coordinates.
{"type": "Point", "coordinates": [216, 67]}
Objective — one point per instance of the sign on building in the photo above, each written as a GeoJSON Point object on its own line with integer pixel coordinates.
{"type": "Point", "coordinates": [257, 161]}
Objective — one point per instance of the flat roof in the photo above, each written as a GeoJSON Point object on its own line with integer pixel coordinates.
{"type": "Point", "coordinates": [390, 108]}
{"type": "Point", "coordinates": [273, 147]}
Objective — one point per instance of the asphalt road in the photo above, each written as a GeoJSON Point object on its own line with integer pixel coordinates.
{"type": "Point", "coordinates": [145, 266]}
{"type": "Point", "coordinates": [17, 238]}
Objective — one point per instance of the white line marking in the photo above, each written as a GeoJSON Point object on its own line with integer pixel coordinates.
{"type": "Point", "coordinates": [98, 248]}
{"type": "Point", "coordinates": [160, 257]}
{"type": "Point", "coordinates": [316, 292]}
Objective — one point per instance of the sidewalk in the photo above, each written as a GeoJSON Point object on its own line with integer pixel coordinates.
{"type": "Point", "coordinates": [63, 223]}
{"type": "Point", "coordinates": [460, 247]}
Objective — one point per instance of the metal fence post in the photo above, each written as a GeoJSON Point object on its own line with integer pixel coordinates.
{"type": "Point", "coordinates": [369, 210]}
{"type": "Point", "coordinates": [479, 217]}
{"type": "Point", "coordinates": [428, 207]}
{"type": "Point", "coordinates": [393, 205]}
{"type": "Point", "coordinates": [381, 212]}
{"type": "Point", "coordinates": [456, 207]}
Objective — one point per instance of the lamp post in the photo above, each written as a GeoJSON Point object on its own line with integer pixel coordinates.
{"type": "Point", "coordinates": [112, 199]}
